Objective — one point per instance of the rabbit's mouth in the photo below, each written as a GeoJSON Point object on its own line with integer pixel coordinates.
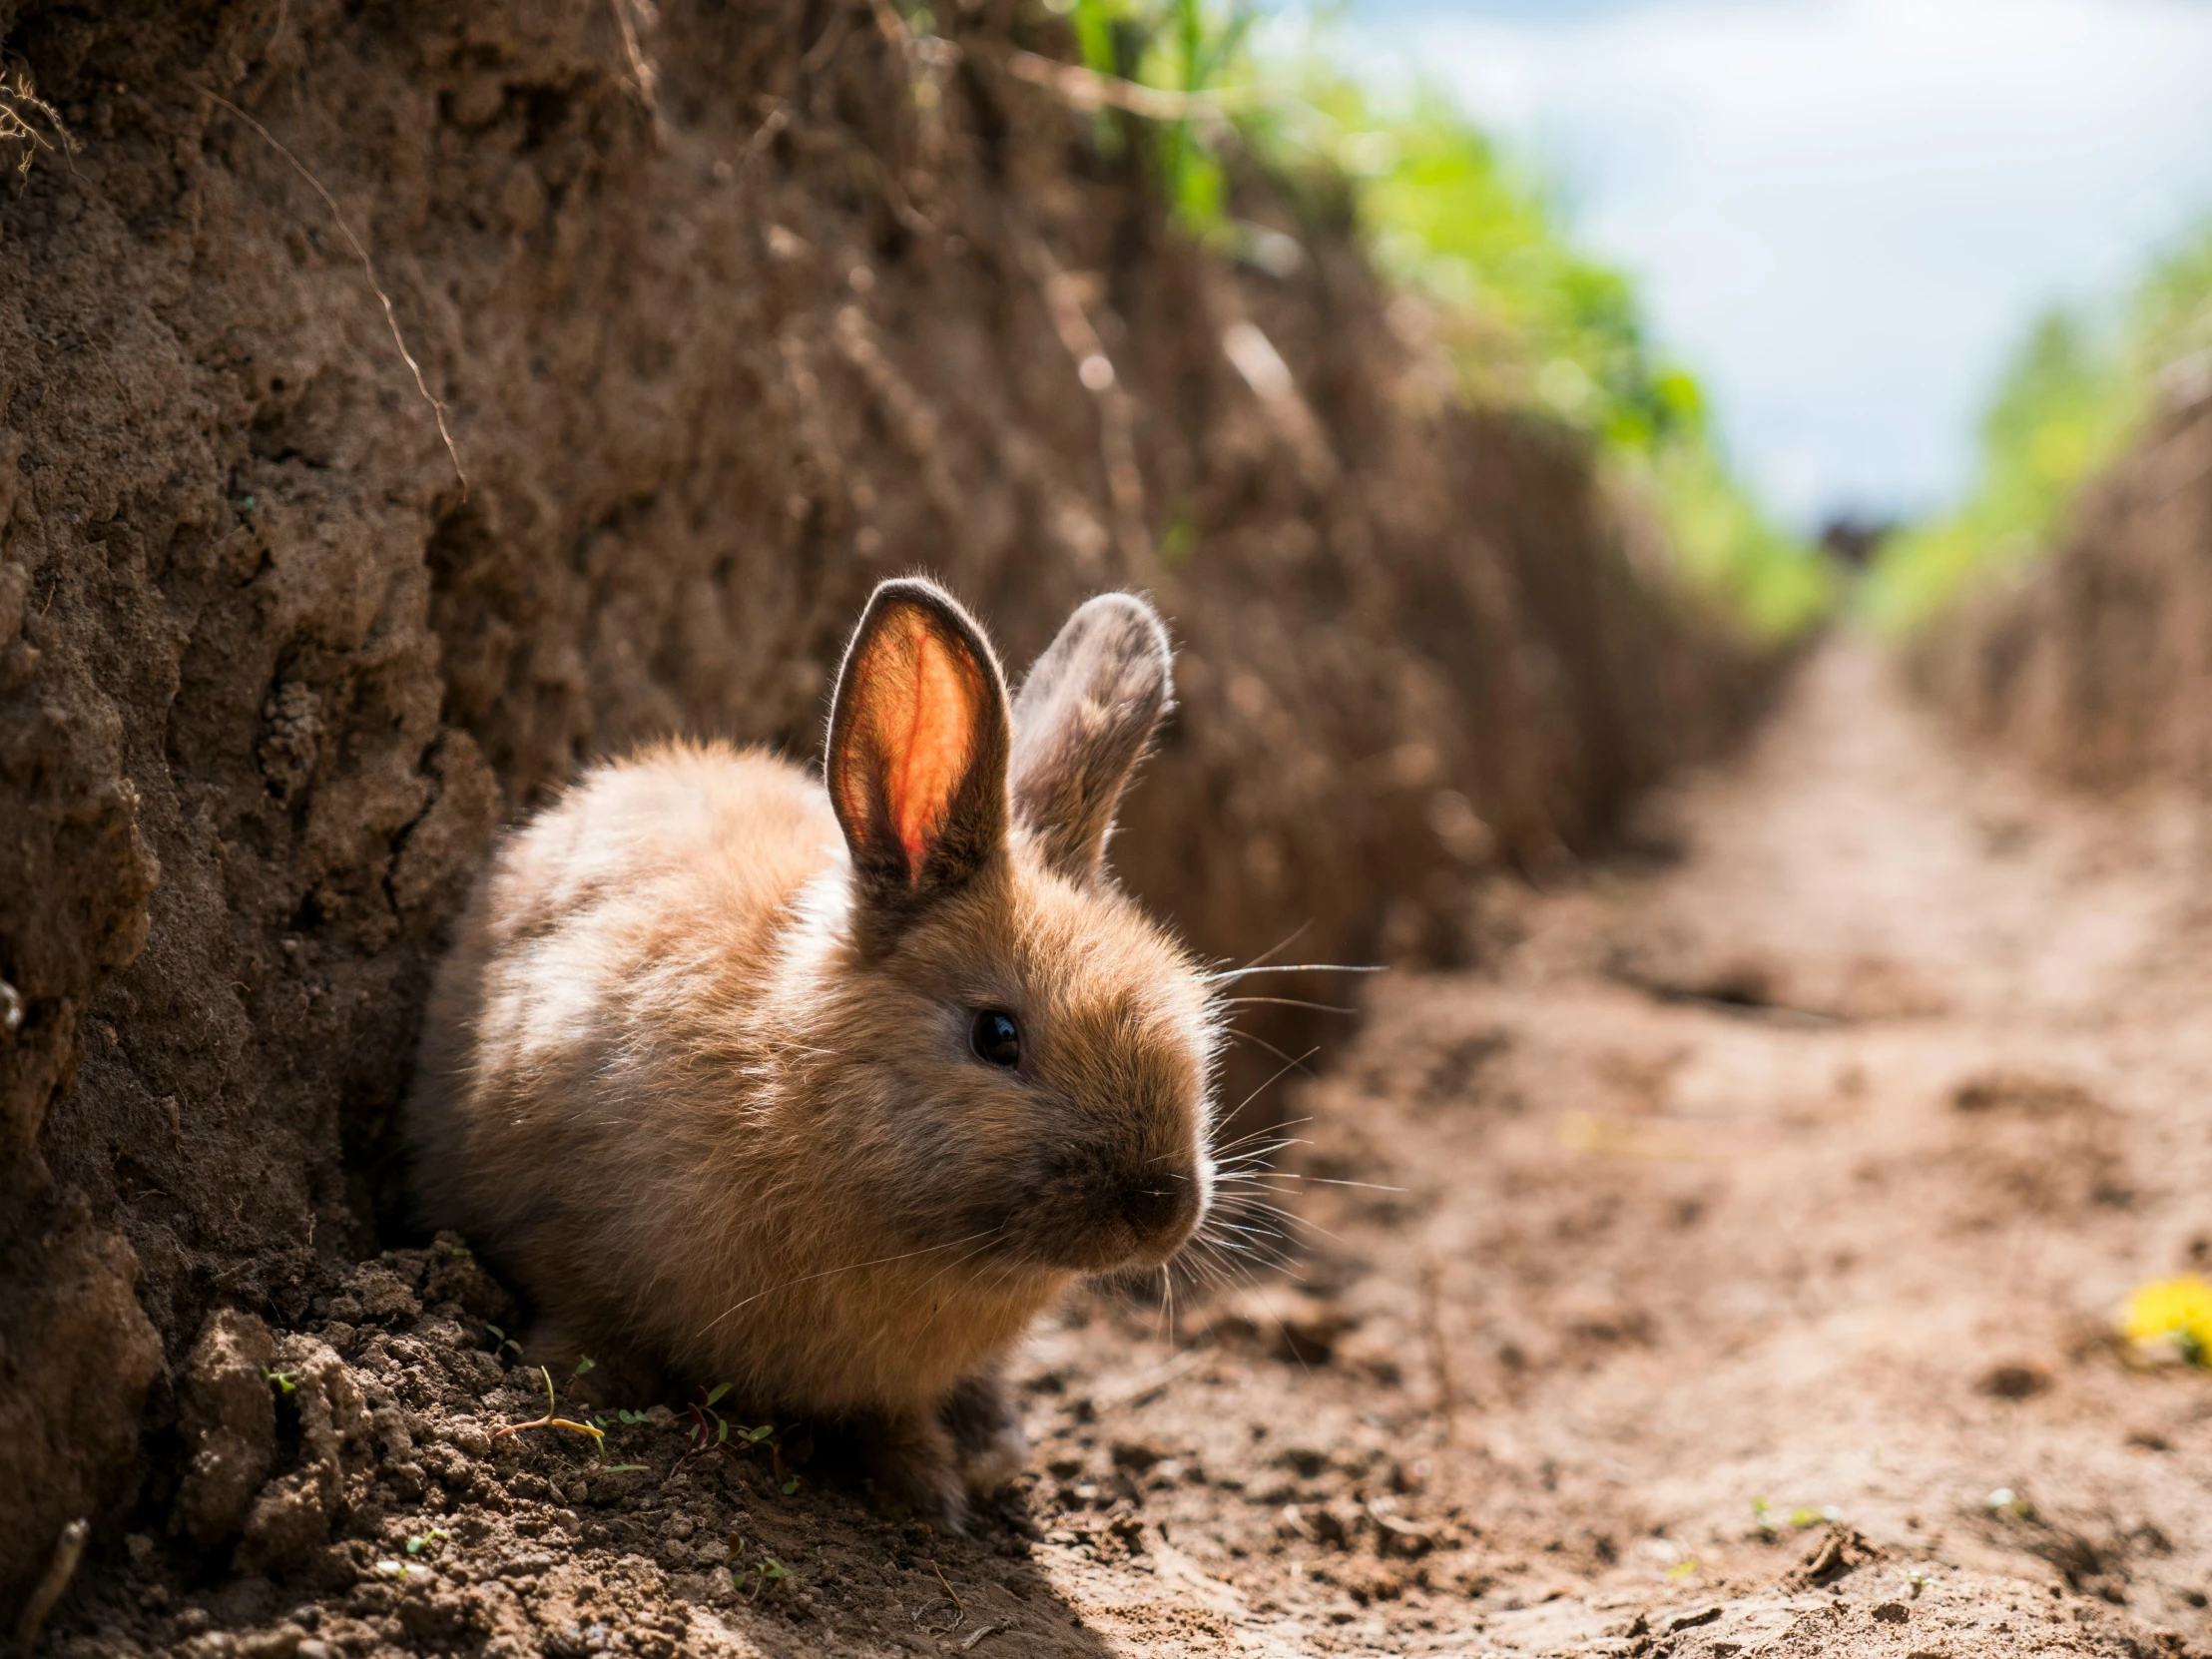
{"type": "Point", "coordinates": [1148, 1215]}
{"type": "Point", "coordinates": [1108, 1221]}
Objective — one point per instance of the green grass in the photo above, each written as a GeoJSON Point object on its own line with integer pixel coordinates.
{"type": "Point", "coordinates": [2078, 390]}
{"type": "Point", "coordinates": [1533, 321]}
{"type": "Point", "coordinates": [1530, 321]}
{"type": "Point", "coordinates": [1185, 46]}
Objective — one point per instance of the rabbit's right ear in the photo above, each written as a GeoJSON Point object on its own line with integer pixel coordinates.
{"type": "Point", "coordinates": [1086, 713]}
{"type": "Point", "coordinates": [918, 738]}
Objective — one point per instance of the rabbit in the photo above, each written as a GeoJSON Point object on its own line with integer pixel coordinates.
{"type": "Point", "coordinates": [826, 1089]}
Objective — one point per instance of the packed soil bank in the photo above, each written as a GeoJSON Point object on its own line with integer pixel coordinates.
{"type": "Point", "coordinates": [728, 312]}
{"type": "Point", "coordinates": [1727, 1269]}
{"type": "Point", "coordinates": [2095, 662]}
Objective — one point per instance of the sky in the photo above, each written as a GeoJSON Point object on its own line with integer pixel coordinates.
{"type": "Point", "coordinates": [1841, 214]}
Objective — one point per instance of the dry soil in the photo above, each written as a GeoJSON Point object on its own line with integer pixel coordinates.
{"type": "Point", "coordinates": [1729, 1269]}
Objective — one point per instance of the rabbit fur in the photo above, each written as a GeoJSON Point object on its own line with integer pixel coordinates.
{"type": "Point", "coordinates": [702, 1072]}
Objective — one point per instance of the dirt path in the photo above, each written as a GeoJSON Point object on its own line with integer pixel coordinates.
{"type": "Point", "coordinates": [1763, 1213]}
{"type": "Point", "coordinates": [1805, 1169]}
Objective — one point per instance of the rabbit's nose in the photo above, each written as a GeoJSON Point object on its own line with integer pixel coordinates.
{"type": "Point", "coordinates": [1159, 1202]}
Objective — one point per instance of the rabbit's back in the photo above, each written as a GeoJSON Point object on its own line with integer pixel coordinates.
{"type": "Point", "coordinates": [633, 921]}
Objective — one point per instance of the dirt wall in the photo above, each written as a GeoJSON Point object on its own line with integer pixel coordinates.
{"type": "Point", "coordinates": [725, 328]}
{"type": "Point", "coordinates": [2096, 662]}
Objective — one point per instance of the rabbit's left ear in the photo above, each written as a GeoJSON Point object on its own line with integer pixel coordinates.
{"type": "Point", "coordinates": [917, 762]}
{"type": "Point", "coordinates": [1083, 720]}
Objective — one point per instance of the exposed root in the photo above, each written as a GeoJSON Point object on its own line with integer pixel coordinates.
{"type": "Point", "coordinates": [69, 1549]}
{"type": "Point", "coordinates": [19, 104]}
{"type": "Point", "coordinates": [1117, 434]}
{"type": "Point", "coordinates": [645, 77]}
{"type": "Point", "coordinates": [1088, 92]}
{"type": "Point", "coordinates": [369, 267]}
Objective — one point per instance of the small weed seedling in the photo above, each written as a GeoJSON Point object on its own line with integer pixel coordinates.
{"type": "Point", "coordinates": [702, 1410]}
{"type": "Point", "coordinates": [551, 1420]}
{"type": "Point", "coordinates": [1805, 1515]}
{"type": "Point", "coordinates": [284, 1382]}
{"type": "Point", "coordinates": [766, 1576]}
{"type": "Point", "coordinates": [505, 1341]}
{"type": "Point", "coordinates": [427, 1540]}
{"type": "Point", "coordinates": [710, 1428]}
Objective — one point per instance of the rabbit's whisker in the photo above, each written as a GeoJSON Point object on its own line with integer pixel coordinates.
{"type": "Point", "coordinates": [1237, 1036]}
{"type": "Point", "coordinates": [1271, 1129]}
{"type": "Point", "coordinates": [1263, 1088]}
{"type": "Point", "coordinates": [1284, 943]}
{"type": "Point", "coordinates": [1230, 974]}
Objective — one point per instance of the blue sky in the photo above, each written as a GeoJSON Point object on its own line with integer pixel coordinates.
{"type": "Point", "coordinates": [1842, 213]}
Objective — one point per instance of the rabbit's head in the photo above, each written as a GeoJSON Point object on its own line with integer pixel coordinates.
{"type": "Point", "coordinates": [1022, 1059]}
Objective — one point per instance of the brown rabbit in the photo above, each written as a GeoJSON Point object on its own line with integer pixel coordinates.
{"type": "Point", "coordinates": [825, 1093]}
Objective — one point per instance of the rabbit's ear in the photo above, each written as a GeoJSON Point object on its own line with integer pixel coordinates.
{"type": "Point", "coordinates": [1085, 718]}
{"type": "Point", "coordinates": [919, 736]}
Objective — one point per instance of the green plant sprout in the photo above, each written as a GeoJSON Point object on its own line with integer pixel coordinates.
{"type": "Point", "coordinates": [552, 1421]}
{"type": "Point", "coordinates": [424, 1540]}
{"type": "Point", "coordinates": [505, 1341]}
{"type": "Point", "coordinates": [287, 1381]}
{"type": "Point", "coordinates": [770, 1573]}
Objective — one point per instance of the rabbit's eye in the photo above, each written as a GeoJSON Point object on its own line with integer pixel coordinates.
{"type": "Point", "coordinates": [996, 1038]}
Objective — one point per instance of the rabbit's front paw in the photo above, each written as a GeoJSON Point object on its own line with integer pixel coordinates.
{"type": "Point", "coordinates": [988, 1442]}
{"type": "Point", "coordinates": [912, 1463]}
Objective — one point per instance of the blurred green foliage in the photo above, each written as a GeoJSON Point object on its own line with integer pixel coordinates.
{"type": "Point", "coordinates": [1181, 46]}
{"type": "Point", "coordinates": [1529, 319]}
{"type": "Point", "coordinates": [2078, 388]}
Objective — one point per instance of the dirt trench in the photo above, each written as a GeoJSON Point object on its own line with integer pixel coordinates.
{"type": "Point", "coordinates": [1728, 1269]}
{"type": "Point", "coordinates": [731, 312]}
{"type": "Point", "coordinates": [2096, 663]}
